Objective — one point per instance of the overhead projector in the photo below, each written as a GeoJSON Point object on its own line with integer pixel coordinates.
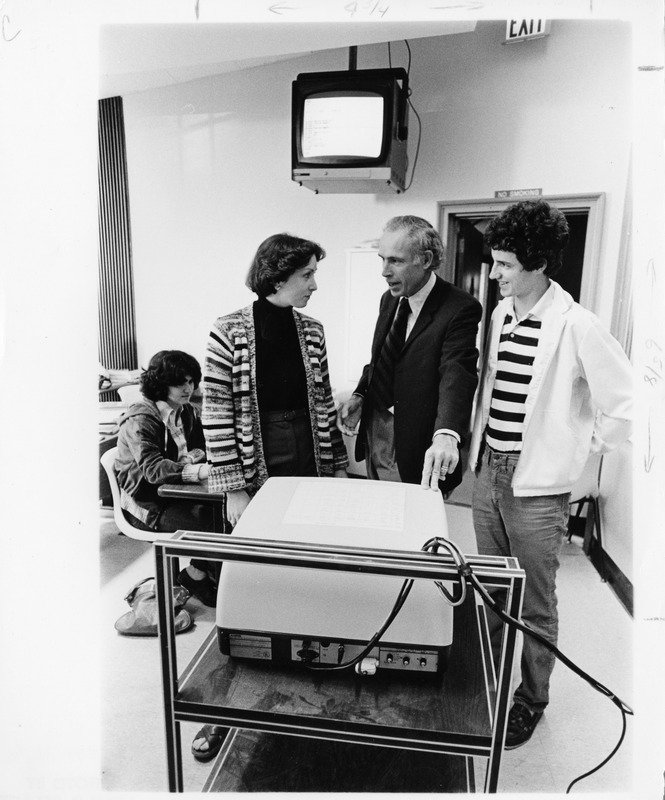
{"type": "Point", "coordinates": [310, 617]}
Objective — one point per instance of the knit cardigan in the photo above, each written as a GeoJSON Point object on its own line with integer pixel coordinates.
{"type": "Point", "coordinates": [231, 420]}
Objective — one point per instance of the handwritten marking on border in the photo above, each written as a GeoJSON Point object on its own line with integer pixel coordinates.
{"type": "Point", "coordinates": [367, 8]}
{"type": "Point", "coordinates": [280, 8]}
{"type": "Point", "coordinates": [469, 5]}
{"type": "Point", "coordinates": [648, 458]}
{"type": "Point", "coordinates": [651, 368]}
{"type": "Point", "coordinates": [6, 21]}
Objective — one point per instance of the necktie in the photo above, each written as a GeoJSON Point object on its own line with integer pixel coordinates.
{"type": "Point", "coordinates": [382, 387]}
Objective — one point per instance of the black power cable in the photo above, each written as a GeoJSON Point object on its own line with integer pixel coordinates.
{"type": "Point", "coordinates": [467, 573]}
{"type": "Point", "coordinates": [401, 598]}
{"type": "Point", "coordinates": [413, 108]}
{"type": "Point", "coordinates": [468, 578]}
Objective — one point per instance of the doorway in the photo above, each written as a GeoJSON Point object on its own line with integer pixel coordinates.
{"type": "Point", "coordinates": [468, 261]}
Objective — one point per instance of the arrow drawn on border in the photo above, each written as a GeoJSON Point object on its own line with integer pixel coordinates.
{"type": "Point", "coordinates": [470, 5]}
{"type": "Point", "coordinates": [279, 8]}
{"type": "Point", "coordinates": [651, 273]}
{"type": "Point", "coordinates": [648, 458]}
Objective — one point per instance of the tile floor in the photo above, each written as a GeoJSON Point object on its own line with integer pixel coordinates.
{"type": "Point", "coordinates": [578, 730]}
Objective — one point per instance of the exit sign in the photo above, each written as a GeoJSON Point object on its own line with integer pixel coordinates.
{"type": "Point", "coordinates": [519, 30]}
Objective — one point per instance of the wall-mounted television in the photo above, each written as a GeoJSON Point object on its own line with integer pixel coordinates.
{"type": "Point", "coordinates": [349, 130]}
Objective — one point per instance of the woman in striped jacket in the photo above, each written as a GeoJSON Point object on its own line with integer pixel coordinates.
{"type": "Point", "coordinates": [267, 403]}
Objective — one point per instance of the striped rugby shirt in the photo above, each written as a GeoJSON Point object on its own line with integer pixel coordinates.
{"type": "Point", "coordinates": [518, 344]}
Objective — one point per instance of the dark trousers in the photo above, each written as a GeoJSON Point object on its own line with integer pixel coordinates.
{"type": "Point", "coordinates": [287, 445]}
{"type": "Point", "coordinates": [180, 515]}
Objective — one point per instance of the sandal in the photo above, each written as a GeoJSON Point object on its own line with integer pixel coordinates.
{"type": "Point", "coordinates": [214, 736]}
{"type": "Point", "coordinates": [204, 590]}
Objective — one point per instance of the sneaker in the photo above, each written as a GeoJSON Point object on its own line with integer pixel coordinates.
{"type": "Point", "coordinates": [521, 724]}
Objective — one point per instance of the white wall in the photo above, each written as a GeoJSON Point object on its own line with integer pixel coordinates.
{"type": "Point", "coordinates": [616, 507]}
{"type": "Point", "coordinates": [209, 167]}
{"type": "Point", "coordinates": [209, 164]}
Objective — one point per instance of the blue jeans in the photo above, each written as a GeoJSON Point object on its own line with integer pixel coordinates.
{"type": "Point", "coordinates": [531, 529]}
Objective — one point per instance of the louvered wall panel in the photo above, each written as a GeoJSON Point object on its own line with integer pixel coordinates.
{"type": "Point", "coordinates": [117, 326]}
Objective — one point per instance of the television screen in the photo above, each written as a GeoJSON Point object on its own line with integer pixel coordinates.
{"type": "Point", "coordinates": [343, 124]}
{"type": "Point", "coordinates": [349, 130]}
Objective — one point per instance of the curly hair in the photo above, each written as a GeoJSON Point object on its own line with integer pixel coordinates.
{"type": "Point", "coordinates": [422, 236]}
{"type": "Point", "coordinates": [168, 368]}
{"type": "Point", "coordinates": [277, 258]}
{"type": "Point", "coordinates": [534, 231]}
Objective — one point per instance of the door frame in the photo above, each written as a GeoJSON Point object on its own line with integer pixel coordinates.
{"type": "Point", "coordinates": [449, 211]}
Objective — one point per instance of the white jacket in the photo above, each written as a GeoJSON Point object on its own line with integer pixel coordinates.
{"type": "Point", "coordinates": [579, 399]}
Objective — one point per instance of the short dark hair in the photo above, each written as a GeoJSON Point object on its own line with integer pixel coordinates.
{"type": "Point", "coordinates": [168, 368]}
{"type": "Point", "coordinates": [534, 231]}
{"type": "Point", "coordinates": [277, 258]}
{"type": "Point", "coordinates": [422, 235]}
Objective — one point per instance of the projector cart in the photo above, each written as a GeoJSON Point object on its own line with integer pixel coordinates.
{"type": "Point", "coordinates": [463, 716]}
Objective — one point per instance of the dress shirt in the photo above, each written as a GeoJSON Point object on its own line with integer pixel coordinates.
{"type": "Point", "coordinates": [171, 418]}
{"type": "Point", "coordinates": [416, 303]}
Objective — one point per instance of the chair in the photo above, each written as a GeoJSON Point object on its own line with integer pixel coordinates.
{"type": "Point", "coordinates": [107, 461]}
{"type": "Point", "coordinates": [124, 526]}
{"type": "Point", "coordinates": [586, 492]}
{"type": "Point", "coordinates": [130, 393]}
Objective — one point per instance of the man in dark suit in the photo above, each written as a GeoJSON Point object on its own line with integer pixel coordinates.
{"type": "Point", "coordinates": [413, 401]}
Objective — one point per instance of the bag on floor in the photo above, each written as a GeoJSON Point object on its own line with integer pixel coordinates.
{"type": "Point", "coordinates": [141, 620]}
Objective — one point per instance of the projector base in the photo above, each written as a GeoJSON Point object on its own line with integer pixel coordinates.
{"type": "Point", "coordinates": [287, 650]}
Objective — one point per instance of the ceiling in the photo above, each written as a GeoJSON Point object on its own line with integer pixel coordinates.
{"type": "Point", "coordinates": [134, 58]}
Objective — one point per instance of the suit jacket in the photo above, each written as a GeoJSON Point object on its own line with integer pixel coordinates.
{"type": "Point", "coordinates": [435, 376]}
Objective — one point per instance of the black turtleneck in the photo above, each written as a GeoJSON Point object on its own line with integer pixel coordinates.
{"type": "Point", "coordinates": [280, 373]}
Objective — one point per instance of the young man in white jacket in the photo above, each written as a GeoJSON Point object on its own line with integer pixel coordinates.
{"type": "Point", "coordinates": [554, 386]}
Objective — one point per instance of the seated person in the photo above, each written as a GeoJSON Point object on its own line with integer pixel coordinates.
{"type": "Point", "coordinates": [160, 440]}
